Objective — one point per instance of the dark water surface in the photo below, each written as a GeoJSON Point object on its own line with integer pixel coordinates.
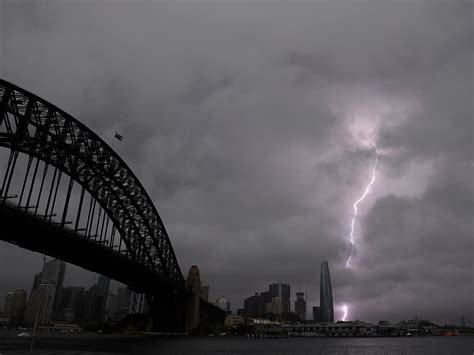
{"type": "Point", "coordinates": [116, 344]}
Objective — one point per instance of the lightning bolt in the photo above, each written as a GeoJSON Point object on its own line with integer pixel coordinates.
{"type": "Point", "coordinates": [354, 216]}
{"type": "Point", "coordinates": [344, 309]}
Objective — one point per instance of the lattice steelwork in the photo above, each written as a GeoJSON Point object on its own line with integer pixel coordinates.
{"type": "Point", "coordinates": [111, 207]}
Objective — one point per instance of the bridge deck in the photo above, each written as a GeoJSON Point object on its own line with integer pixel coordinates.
{"type": "Point", "coordinates": [31, 232]}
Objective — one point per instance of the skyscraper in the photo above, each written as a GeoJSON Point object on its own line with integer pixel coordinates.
{"type": "Point", "coordinates": [36, 282]}
{"type": "Point", "coordinates": [300, 305]}
{"type": "Point", "coordinates": [71, 304]}
{"type": "Point", "coordinates": [277, 306]}
{"type": "Point", "coordinates": [53, 274]}
{"type": "Point", "coordinates": [15, 306]}
{"type": "Point", "coordinates": [282, 290]}
{"type": "Point", "coordinates": [193, 283]}
{"type": "Point", "coordinates": [256, 305]}
{"type": "Point", "coordinates": [47, 290]}
{"type": "Point", "coordinates": [88, 313]}
{"type": "Point", "coordinates": [95, 301]}
{"type": "Point", "coordinates": [102, 292]}
{"type": "Point", "coordinates": [36, 309]}
{"type": "Point", "coordinates": [112, 306]}
{"type": "Point", "coordinates": [103, 285]}
{"type": "Point", "coordinates": [325, 296]}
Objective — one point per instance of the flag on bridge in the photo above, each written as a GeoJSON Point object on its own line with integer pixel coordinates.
{"type": "Point", "coordinates": [118, 136]}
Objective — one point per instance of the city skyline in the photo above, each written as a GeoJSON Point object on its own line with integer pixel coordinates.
{"type": "Point", "coordinates": [251, 130]}
{"type": "Point", "coordinates": [116, 305]}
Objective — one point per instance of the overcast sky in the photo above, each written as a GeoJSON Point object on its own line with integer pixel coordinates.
{"type": "Point", "coordinates": [250, 125]}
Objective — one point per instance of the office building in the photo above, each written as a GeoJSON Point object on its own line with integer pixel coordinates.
{"type": "Point", "coordinates": [70, 305]}
{"type": "Point", "coordinates": [47, 287]}
{"type": "Point", "coordinates": [274, 302]}
{"type": "Point", "coordinates": [277, 306]}
{"type": "Point", "coordinates": [52, 279]}
{"type": "Point", "coordinates": [95, 301]}
{"type": "Point", "coordinates": [102, 293]}
{"type": "Point", "coordinates": [111, 308]}
{"type": "Point", "coordinates": [103, 285]}
{"type": "Point", "coordinates": [300, 306]}
{"type": "Point", "coordinates": [15, 306]}
{"type": "Point", "coordinates": [283, 291]}
{"type": "Point", "coordinates": [325, 298]}
{"type": "Point", "coordinates": [317, 315]}
{"type": "Point", "coordinates": [36, 309]}
{"type": "Point", "coordinates": [36, 282]}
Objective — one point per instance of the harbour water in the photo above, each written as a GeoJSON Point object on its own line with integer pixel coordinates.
{"type": "Point", "coordinates": [81, 343]}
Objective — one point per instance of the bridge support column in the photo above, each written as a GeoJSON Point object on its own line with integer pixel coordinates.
{"type": "Point", "coordinates": [167, 311]}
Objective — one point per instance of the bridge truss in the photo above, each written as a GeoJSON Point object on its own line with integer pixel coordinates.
{"type": "Point", "coordinates": [61, 178]}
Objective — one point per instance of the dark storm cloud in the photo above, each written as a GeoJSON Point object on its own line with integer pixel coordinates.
{"type": "Point", "coordinates": [244, 121]}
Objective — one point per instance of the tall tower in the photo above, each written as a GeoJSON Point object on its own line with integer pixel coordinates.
{"type": "Point", "coordinates": [325, 296]}
{"type": "Point", "coordinates": [283, 291]}
{"type": "Point", "coordinates": [193, 283]}
{"type": "Point", "coordinates": [300, 305]}
{"type": "Point", "coordinates": [47, 287]}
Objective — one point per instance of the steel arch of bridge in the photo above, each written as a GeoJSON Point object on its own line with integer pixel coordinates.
{"type": "Point", "coordinates": [35, 127]}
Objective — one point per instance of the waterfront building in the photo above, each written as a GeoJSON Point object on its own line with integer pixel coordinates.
{"type": "Point", "coordinates": [339, 329]}
{"type": "Point", "coordinates": [325, 299]}
{"type": "Point", "coordinates": [233, 320]}
{"type": "Point", "coordinates": [300, 305]}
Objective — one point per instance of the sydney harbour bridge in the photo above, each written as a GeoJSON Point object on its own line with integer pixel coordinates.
{"type": "Point", "coordinates": [64, 192]}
